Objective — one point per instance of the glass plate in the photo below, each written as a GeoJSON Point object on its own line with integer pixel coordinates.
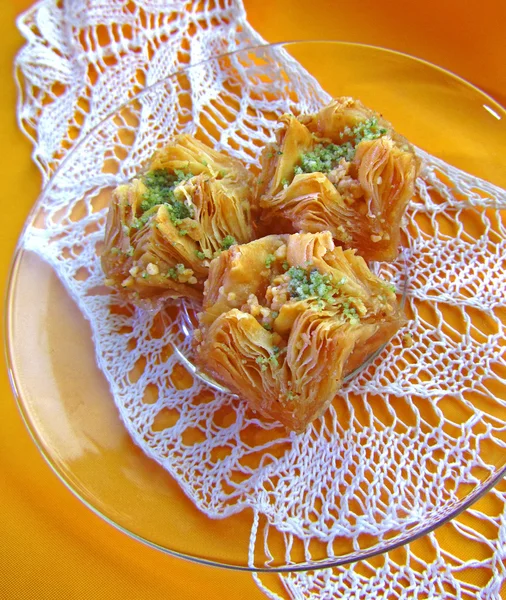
{"type": "Point", "coordinates": [64, 398]}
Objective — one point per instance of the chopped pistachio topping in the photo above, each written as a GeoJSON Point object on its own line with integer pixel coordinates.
{"type": "Point", "coordinates": [160, 186]}
{"type": "Point", "coordinates": [313, 284]}
{"type": "Point", "coordinates": [304, 285]}
{"type": "Point", "coordinates": [350, 313]}
{"type": "Point", "coordinates": [269, 260]}
{"type": "Point", "coordinates": [178, 211]}
{"type": "Point", "coordinates": [176, 271]}
{"type": "Point", "coordinates": [324, 158]}
{"type": "Point", "coordinates": [367, 130]}
{"type": "Point", "coordinates": [272, 359]}
{"type": "Point", "coordinates": [227, 242]}
{"type": "Point", "coordinates": [200, 255]}
{"type": "Point", "coordinates": [137, 223]}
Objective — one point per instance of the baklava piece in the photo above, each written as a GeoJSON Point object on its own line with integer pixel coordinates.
{"type": "Point", "coordinates": [343, 170]}
{"type": "Point", "coordinates": [166, 225]}
{"type": "Point", "coordinates": [287, 317]}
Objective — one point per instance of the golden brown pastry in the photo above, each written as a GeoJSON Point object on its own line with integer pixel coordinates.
{"type": "Point", "coordinates": [165, 226]}
{"type": "Point", "coordinates": [343, 169]}
{"type": "Point", "coordinates": [286, 317]}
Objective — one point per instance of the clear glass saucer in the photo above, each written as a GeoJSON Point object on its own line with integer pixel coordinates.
{"type": "Point", "coordinates": [65, 400]}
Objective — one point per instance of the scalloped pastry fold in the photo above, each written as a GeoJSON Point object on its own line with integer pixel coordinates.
{"type": "Point", "coordinates": [343, 170]}
{"type": "Point", "coordinates": [165, 226]}
{"type": "Point", "coordinates": [287, 317]}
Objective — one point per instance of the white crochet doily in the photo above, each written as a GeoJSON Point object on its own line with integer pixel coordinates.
{"type": "Point", "coordinates": [406, 440]}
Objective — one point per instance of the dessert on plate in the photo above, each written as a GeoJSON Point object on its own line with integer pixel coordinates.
{"type": "Point", "coordinates": [287, 316]}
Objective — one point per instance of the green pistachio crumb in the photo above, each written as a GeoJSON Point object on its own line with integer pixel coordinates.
{"type": "Point", "coordinates": [160, 186]}
{"type": "Point", "coordinates": [227, 242]}
{"type": "Point", "coordinates": [137, 223]}
{"type": "Point", "coordinates": [178, 211]}
{"type": "Point", "coordinates": [269, 260]}
{"type": "Point", "coordinates": [270, 360]}
{"type": "Point", "coordinates": [306, 284]}
{"type": "Point", "coordinates": [350, 313]}
{"type": "Point", "coordinates": [174, 272]}
{"type": "Point", "coordinates": [368, 130]}
{"type": "Point", "coordinates": [323, 158]}
{"type": "Point", "coordinates": [261, 360]}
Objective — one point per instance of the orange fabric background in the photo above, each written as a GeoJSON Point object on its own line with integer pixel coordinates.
{"type": "Point", "coordinates": [51, 545]}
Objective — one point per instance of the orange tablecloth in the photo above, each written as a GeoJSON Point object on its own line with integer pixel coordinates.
{"type": "Point", "coordinates": [51, 545]}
